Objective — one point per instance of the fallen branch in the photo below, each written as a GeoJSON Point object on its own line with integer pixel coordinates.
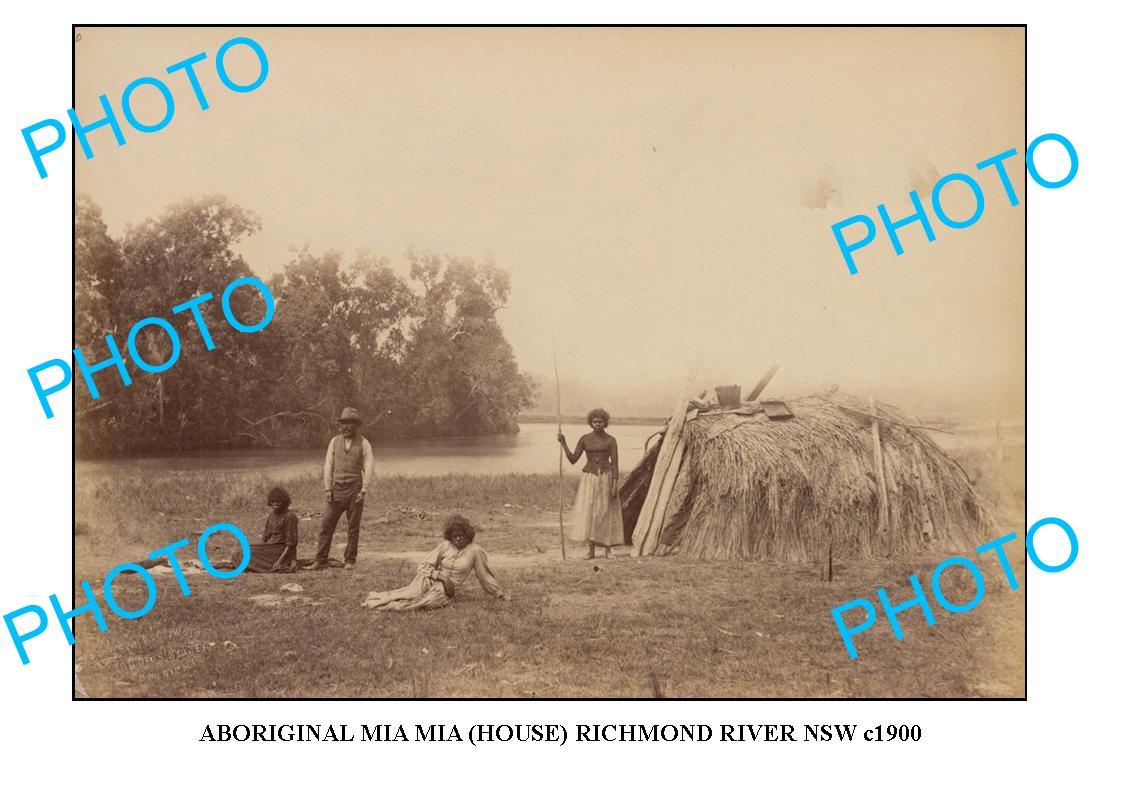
{"type": "Point", "coordinates": [249, 422]}
{"type": "Point", "coordinates": [102, 405]}
{"type": "Point", "coordinates": [254, 436]}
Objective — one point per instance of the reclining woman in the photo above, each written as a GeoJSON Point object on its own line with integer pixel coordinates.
{"type": "Point", "coordinates": [442, 572]}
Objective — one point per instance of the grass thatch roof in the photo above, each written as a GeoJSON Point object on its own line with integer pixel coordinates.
{"type": "Point", "coordinates": [789, 490]}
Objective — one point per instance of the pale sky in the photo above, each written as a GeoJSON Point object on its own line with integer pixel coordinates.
{"type": "Point", "coordinates": [652, 191]}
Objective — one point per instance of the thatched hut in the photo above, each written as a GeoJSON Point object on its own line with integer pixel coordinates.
{"type": "Point", "coordinates": [797, 484]}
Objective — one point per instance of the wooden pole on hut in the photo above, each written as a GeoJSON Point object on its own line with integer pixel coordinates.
{"type": "Point", "coordinates": [879, 471]}
{"type": "Point", "coordinates": [826, 556]}
{"type": "Point", "coordinates": [561, 470]}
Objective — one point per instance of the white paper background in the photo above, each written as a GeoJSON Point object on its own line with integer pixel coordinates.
{"type": "Point", "coordinates": [1058, 739]}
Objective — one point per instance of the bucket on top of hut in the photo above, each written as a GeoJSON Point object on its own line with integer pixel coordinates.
{"type": "Point", "coordinates": [729, 395]}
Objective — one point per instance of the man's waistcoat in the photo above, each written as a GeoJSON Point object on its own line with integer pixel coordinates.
{"type": "Point", "coordinates": [348, 467]}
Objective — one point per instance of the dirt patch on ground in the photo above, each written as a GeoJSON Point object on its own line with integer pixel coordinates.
{"type": "Point", "coordinates": [517, 560]}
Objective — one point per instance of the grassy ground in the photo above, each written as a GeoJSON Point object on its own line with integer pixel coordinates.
{"type": "Point", "coordinates": [624, 627]}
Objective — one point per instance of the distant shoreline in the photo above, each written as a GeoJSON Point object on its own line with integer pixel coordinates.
{"type": "Point", "coordinates": [580, 420]}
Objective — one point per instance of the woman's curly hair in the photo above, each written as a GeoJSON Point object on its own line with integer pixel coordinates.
{"type": "Point", "coordinates": [458, 523]}
{"type": "Point", "coordinates": [603, 415]}
{"type": "Point", "coordinates": [279, 495]}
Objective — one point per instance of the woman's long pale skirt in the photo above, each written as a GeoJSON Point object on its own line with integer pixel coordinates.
{"type": "Point", "coordinates": [422, 592]}
{"type": "Point", "coordinates": [597, 516]}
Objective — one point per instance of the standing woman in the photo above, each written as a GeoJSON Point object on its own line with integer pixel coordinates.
{"type": "Point", "coordinates": [597, 517]}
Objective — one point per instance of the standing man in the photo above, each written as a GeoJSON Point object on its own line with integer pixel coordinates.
{"type": "Point", "coordinates": [348, 469]}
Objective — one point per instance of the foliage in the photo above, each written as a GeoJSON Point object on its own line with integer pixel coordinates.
{"type": "Point", "coordinates": [463, 377]}
{"type": "Point", "coordinates": [97, 265]}
{"type": "Point", "coordinates": [421, 359]}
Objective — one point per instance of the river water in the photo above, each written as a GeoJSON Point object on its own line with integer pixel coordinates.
{"type": "Point", "coordinates": [533, 450]}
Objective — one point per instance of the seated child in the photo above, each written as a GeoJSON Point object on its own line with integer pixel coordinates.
{"type": "Point", "coordinates": [277, 551]}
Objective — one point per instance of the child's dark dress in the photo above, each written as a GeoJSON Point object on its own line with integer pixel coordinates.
{"type": "Point", "coordinates": [280, 533]}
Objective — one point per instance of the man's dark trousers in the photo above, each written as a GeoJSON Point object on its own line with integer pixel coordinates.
{"type": "Point", "coordinates": [342, 500]}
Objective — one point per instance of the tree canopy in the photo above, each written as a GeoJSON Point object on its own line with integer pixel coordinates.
{"type": "Point", "coordinates": [422, 355]}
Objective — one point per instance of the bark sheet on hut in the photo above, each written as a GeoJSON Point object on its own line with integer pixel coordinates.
{"type": "Point", "coordinates": [784, 490]}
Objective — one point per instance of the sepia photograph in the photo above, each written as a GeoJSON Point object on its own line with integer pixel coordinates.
{"type": "Point", "coordinates": [549, 362]}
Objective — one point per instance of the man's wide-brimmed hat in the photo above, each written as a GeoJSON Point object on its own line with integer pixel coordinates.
{"type": "Point", "coordinates": [349, 415]}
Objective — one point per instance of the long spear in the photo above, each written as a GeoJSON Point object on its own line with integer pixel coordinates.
{"type": "Point", "coordinates": [561, 472]}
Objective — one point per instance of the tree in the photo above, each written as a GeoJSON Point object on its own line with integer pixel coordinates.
{"type": "Point", "coordinates": [378, 316]}
{"type": "Point", "coordinates": [429, 361]}
{"type": "Point", "coordinates": [463, 375]}
{"type": "Point", "coordinates": [336, 340]}
{"type": "Point", "coordinates": [97, 266]}
{"type": "Point", "coordinates": [186, 252]}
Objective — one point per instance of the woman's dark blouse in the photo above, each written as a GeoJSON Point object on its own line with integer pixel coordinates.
{"type": "Point", "coordinates": [280, 528]}
{"type": "Point", "coordinates": [600, 451]}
